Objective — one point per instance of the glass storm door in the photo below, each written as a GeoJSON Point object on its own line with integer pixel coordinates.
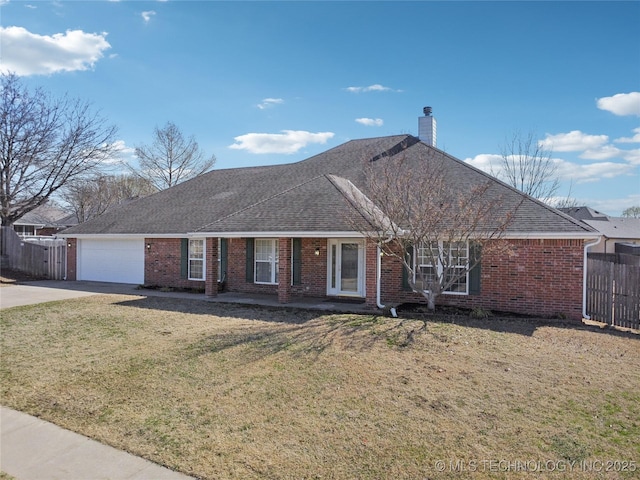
{"type": "Point", "coordinates": [346, 268]}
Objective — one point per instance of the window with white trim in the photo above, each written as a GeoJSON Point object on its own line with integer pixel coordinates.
{"type": "Point", "coordinates": [196, 259]}
{"type": "Point", "coordinates": [452, 261]}
{"type": "Point", "coordinates": [266, 260]}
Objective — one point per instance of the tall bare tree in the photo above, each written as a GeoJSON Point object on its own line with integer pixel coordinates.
{"type": "Point", "coordinates": [91, 197]}
{"type": "Point", "coordinates": [45, 144]}
{"type": "Point", "coordinates": [419, 211]}
{"type": "Point", "coordinates": [171, 158]}
{"type": "Point", "coordinates": [526, 165]}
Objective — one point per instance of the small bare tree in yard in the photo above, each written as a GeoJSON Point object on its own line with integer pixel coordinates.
{"type": "Point", "coordinates": [45, 144]}
{"type": "Point", "coordinates": [436, 222]}
{"type": "Point", "coordinates": [171, 158]}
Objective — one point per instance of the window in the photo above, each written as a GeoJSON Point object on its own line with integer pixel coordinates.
{"type": "Point", "coordinates": [25, 230]}
{"type": "Point", "coordinates": [196, 259]}
{"type": "Point", "coordinates": [452, 261]}
{"type": "Point", "coordinates": [266, 260]}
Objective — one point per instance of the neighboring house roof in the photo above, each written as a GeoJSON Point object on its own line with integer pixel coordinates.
{"type": "Point", "coordinates": [584, 213]}
{"type": "Point", "coordinates": [616, 227]}
{"type": "Point", "coordinates": [307, 196]}
{"type": "Point", "coordinates": [47, 216]}
{"type": "Point", "coordinates": [611, 227]}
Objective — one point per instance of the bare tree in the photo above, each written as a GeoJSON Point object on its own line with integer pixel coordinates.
{"type": "Point", "coordinates": [419, 212]}
{"type": "Point", "coordinates": [171, 158]}
{"type": "Point", "coordinates": [526, 165]}
{"type": "Point", "coordinates": [91, 197]}
{"type": "Point", "coordinates": [45, 143]}
{"type": "Point", "coordinates": [632, 212]}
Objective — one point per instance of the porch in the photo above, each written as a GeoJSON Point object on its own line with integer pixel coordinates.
{"type": "Point", "coordinates": [328, 304]}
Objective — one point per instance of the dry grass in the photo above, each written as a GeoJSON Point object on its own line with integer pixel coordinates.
{"type": "Point", "coordinates": [223, 392]}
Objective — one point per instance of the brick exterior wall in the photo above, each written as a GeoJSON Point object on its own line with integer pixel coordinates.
{"type": "Point", "coordinates": [72, 259]}
{"type": "Point", "coordinates": [284, 270]}
{"type": "Point", "coordinates": [162, 264]}
{"type": "Point", "coordinates": [313, 279]}
{"type": "Point", "coordinates": [211, 267]}
{"type": "Point", "coordinates": [313, 275]}
{"type": "Point", "coordinates": [541, 277]}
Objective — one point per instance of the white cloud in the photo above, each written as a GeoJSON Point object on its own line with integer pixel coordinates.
{"type": "Point", "coordinates": [287, 142]}
{"type": "Point", "coordinates": [574, 141]}
{"type": "Point", "coordinates": [603, 152]}
{"type": "Point", "coordinates": [121, 155]}
{"type": "Point", "coordinates": [270, 102]}
{"type": "Point", "coordinates": [25, 53]}
{"type": "Point", "coordinates": [621, 104]}
{"type": "Point", "coordinates": [370, 122]}
{"type": "Point", "coordinates": [485, 162]}
{"type": "Point", "coordinates": [592, 172]}
{"type": "Point", "coordinates": [122, 148]}
{"type": "Point", "coordinates": [577, 172]}
{"type": "Point", "coordinates": [371, 88]}
{"type": "Point", "coordinates": [634, 139]}
{"type": "Point", "coordinates": [146, 16]}
{"type": "Point", "coordinates": [632, 156]}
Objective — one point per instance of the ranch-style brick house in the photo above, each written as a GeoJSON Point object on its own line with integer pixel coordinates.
{"type": "Point", "coordinates": [285, 230]}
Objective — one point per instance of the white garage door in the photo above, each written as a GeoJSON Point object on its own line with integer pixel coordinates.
{"type": "Point", "coordinates": [118, 261]}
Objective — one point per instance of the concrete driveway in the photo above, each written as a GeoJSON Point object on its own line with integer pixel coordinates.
{"type": "Point", "coordinates": [29, 293]}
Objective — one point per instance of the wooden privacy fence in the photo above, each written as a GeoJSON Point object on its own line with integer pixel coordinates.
{"type": "Point", "coordinates": [42, 257]}
{"type": "Point", "coordinates": [613, 292]}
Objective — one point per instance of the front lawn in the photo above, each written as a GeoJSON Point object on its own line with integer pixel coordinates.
{"type": "Point", "coordinates": [238, 392]}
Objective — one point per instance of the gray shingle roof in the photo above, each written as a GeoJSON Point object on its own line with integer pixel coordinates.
{"type": "Point", "coordinates": [617, 227]}
{"type": "Point", "coordinates": [300, 197]}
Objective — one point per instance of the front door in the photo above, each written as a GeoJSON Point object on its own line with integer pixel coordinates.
{"type": "Point", "coordinates": [346, 267]}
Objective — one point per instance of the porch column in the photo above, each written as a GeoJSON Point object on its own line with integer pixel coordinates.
{"type": "Point", "coordinates": [72, 259]}
{"type": "Point", "coordinates": [211, 262]}
{"type": "Point", "coordinates": [371, 275]}
{"type": "Point", "coordinates": [284, 270]}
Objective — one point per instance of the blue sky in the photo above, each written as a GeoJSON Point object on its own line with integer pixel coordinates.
{"type": "Point", "coordinates": [260, 83]}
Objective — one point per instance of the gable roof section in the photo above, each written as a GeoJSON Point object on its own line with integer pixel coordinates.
{"type": "Point", "coordinates": [306, 196]}
{"type": "Point", "coordinates": [47, 216]}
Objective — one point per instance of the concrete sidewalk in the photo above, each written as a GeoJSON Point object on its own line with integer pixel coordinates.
{"type": "Point", "coordinates": [32, 449]}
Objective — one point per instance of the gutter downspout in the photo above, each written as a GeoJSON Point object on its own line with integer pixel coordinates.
{"type": "Point", "coordinates": [584, 277]}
